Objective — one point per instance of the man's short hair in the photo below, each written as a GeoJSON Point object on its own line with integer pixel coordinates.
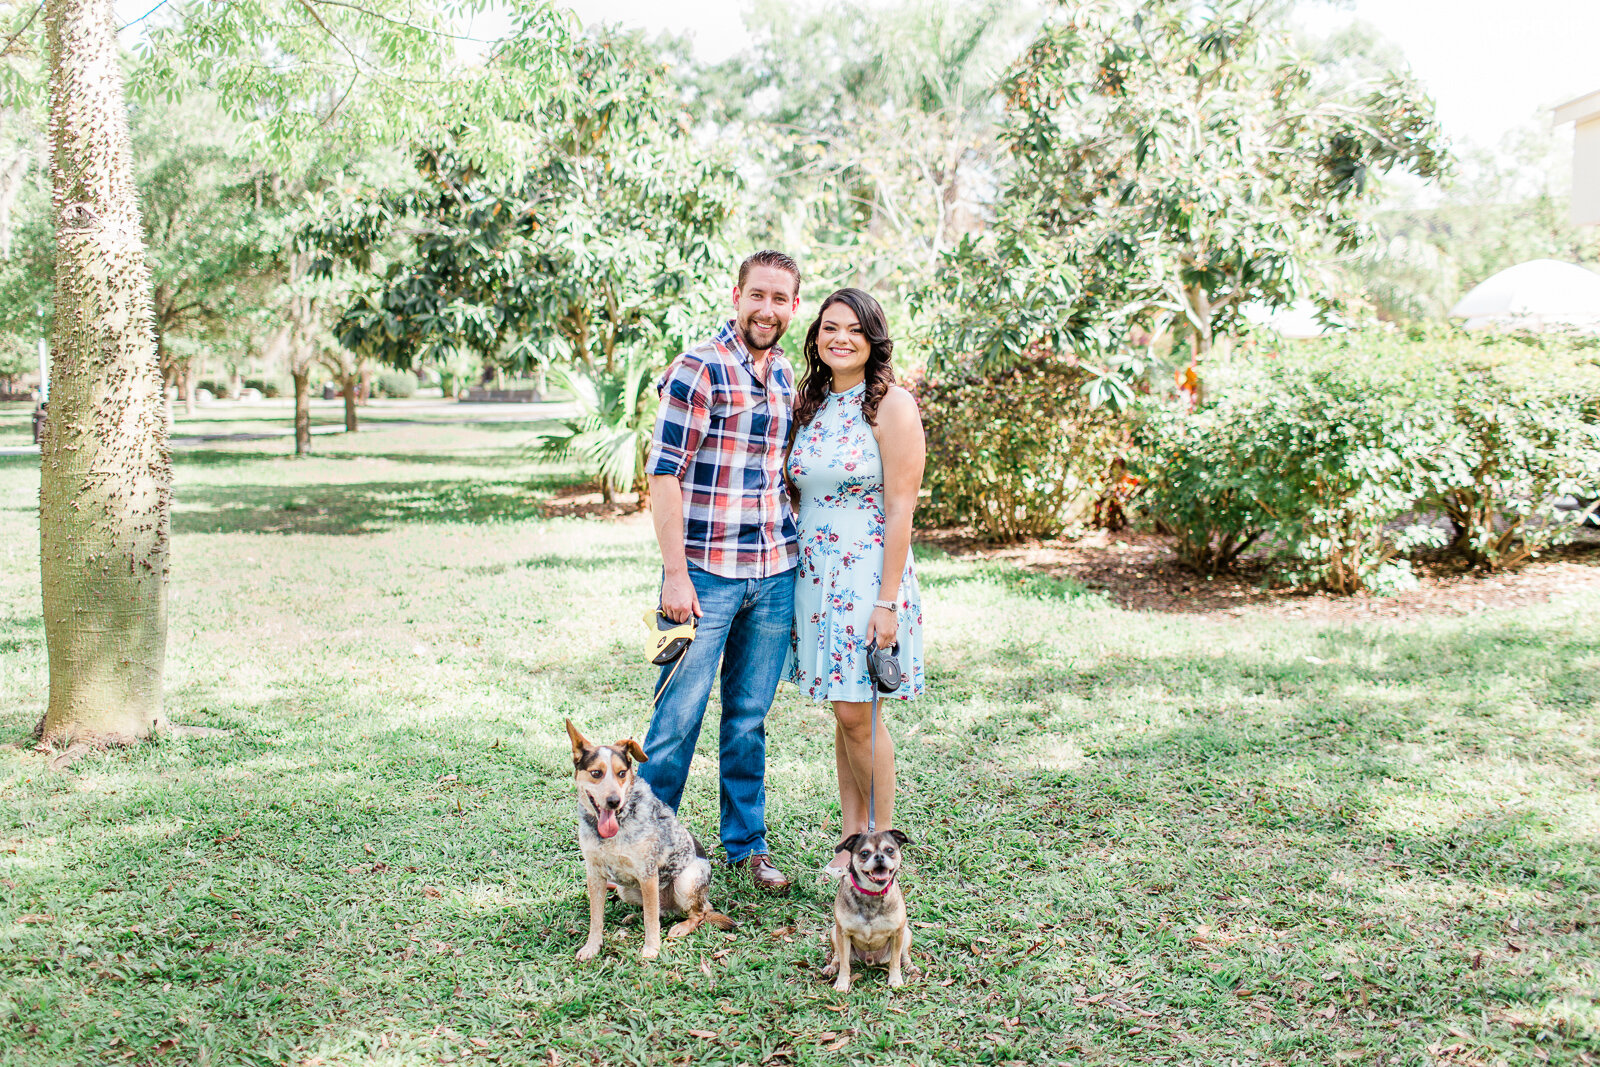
{"type": "Point", "coordinates": [769, 258]}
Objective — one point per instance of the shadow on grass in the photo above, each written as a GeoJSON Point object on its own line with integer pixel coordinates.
{"type": "Point", "coordinates": [364, 508]}
{"type": "Point", "coordinates": [21, 631]}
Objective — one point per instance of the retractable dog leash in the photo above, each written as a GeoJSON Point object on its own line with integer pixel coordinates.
{"type": "Point", "coordinates": [668, 642]}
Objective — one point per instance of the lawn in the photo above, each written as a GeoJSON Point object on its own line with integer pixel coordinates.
{"type": "Point", "coordinates": [1140, 837]}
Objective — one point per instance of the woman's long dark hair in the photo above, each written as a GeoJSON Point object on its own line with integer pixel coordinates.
{"type": "Point", "coordinates": [818, 380]}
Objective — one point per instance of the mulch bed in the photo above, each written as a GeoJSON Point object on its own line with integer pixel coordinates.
{"type": "Point", "coordinates": [1139, 572]}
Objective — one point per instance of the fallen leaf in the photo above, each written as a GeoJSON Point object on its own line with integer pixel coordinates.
{"type": "Point", "coordinates": [705, 968]}
{"type": "Point", "coordinates": [368, 849]}
{"type": "Point", "coordinates": [781, 1052]}
{"type": "Point", "coordinates": [837, 1045]}
{"type": "Point", "coordinates": [431, 893]}
{"type": "Point", "coordinates": [36, 918]}
{"type": "Point", "coordinates": [480, 1042]}
{"type": "Point", "coordinates": [706, 1035]}
{"type": "Point", "coordinates": [446, 778]}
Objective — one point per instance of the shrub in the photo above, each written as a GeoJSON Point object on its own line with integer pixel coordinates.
{"type": "Point", "coordinates": [1330, 455]}
{"type": "Point", "coordinates": [1317, 454]}
{"type": "Point", "coordinates": [1016, 453]}
{"type": "Point", "coordinates": [271, 387]}
{"type": "Point", "coordinates": [219, 387]}
{"type": "Point", "coordinates": [395, 383]}
{"type": "Point", "coordinates": [1526, 436]}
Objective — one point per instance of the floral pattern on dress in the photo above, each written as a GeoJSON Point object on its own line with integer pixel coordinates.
{"type": "Point", "coordinates": [838, 469]}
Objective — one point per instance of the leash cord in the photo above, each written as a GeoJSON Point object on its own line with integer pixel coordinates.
{"type": "Point", "coordinates": [655, 702]}
{"type": "Point", "coordinates": [872, 777]}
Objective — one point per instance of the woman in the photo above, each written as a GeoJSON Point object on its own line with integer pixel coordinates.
{"type": "Point", "coordinates": [856, 463]}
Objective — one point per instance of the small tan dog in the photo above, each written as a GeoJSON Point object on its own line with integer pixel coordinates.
{"type": "Point", "coordinates": [629, 837]}
{"type": "Point", "coordinates": [869, 911]}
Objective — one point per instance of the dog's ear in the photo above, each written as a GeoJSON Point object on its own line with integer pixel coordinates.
{"type": "Point", "coordinates": [900, 837]}
{"type": "Point", "coordinates": [849, 844]}
{"type": "Point", "coordinates": [632, 748]}
{"type": "Point", "coordinates": [581, 748]}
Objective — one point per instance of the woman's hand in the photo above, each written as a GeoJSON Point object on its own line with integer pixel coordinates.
{"type": "Point", "coordinates": [882, 627]}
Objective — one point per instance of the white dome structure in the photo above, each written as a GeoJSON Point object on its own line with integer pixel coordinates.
{"type": "Point", "coordinates": [1541, 294]}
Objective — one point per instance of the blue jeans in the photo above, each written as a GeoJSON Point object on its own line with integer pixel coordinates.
{"type": "Point", "coordinates": [746, 625]}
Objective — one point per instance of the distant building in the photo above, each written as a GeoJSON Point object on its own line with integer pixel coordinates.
{"type": "Point", "coordinates": [1585, 113]}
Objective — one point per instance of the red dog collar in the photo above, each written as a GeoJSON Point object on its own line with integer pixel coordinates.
{"type": "Point", "coordinates": [869, 892]}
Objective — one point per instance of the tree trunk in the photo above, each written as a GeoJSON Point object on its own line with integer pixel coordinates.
{"type": "Point", "coordinates": [192, 371]}
{"type": "Point", "coordinates": [302, 410]}
{"type": "Point", "coordinates": [106, 480]}
{"type": "Point", "coordinates": [365, 392]}
{"type": "Point", "coordinates": [347, 384]}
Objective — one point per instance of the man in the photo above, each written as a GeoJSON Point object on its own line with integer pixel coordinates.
{"type": "Point", "coordinates": [728, 550]}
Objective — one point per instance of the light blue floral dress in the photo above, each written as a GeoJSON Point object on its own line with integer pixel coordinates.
{"type": "Point", "coordinates": [837, 467]}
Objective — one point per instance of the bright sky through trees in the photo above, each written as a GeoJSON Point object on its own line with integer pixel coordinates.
{"type": "Point", "coordinates": [1491, 65]}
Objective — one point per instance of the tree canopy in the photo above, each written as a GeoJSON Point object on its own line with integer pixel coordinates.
{"type": "Point", "coordinates": [609, 244]}
{"type": "Point", "coordinates": [1167, 169]}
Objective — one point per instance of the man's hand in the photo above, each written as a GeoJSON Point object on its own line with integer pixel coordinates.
{"type": "Point", "coordinates": [678, 598]}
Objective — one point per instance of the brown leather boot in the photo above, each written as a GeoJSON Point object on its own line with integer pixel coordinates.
{"type": "Point", "coordinates": [764, 873]}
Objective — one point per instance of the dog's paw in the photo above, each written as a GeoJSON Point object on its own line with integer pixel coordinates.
{"type": "Point", "coordinates": [842, 985]}
{"type": "Point", "coordinates": [832, 967]}
{"type": "Point", "coordinates": [683, 929]}
{"type": "Point", "coordinates": [589, 951]}
{"type": "Point", "coordinates": [896, 981]}
{"type": "Point", "coordinates": [650, 952]}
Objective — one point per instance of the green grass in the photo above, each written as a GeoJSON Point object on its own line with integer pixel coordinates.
{"type": "Point", "coordinates": [1141, 838]}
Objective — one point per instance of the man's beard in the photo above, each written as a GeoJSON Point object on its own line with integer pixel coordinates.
{"type": "Point", "coordinates": [745, 331]}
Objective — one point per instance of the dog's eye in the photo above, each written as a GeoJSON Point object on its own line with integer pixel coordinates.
{"type": "Point", "coordinates": [597, 774]}
{"type": "Point", "coordinates": [622, 774]}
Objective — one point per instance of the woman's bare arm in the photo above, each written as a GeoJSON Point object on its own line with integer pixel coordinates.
{"type": "Point", "coordinates": [904, 451]}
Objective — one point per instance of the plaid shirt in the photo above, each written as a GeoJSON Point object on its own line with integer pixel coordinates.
{"type": "Point", "coordinates": [721, 432]}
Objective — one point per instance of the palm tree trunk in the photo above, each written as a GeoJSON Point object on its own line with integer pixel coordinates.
{"type": "Point", "coordinates": [106, 479]}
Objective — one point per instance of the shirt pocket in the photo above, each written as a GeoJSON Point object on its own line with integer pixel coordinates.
{"type": "Point", "coordinates": [743, 413]}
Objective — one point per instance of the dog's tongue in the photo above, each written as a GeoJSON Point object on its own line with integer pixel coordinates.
{"type": "Point", "coordinates": [607, 825]}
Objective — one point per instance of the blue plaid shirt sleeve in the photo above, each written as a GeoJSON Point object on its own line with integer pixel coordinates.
{"type": "Point", "coordinates": [683, 417]}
